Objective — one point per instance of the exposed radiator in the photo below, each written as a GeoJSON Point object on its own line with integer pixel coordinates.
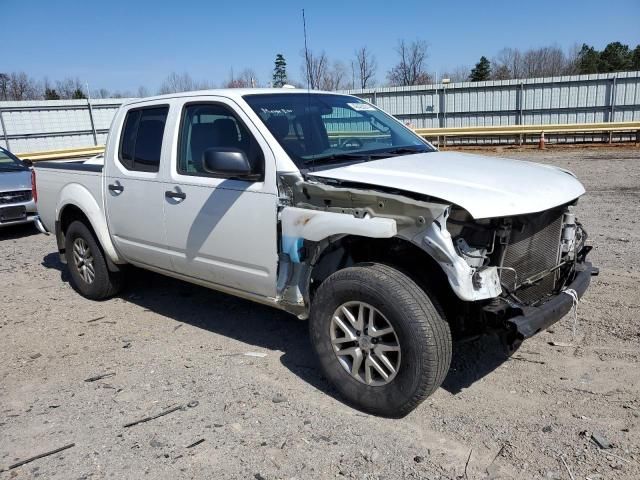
{"type": "Point", "coordinates": [534, 247]}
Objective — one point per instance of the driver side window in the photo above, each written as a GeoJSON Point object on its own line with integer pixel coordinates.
{"type": "Point", "coordinates": [213, 126]}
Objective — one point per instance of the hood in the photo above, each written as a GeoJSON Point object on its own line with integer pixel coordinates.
{"type": "Point", "coordinates": [15, 180]}
{"type": "Point", "coordinates": [484, 186]}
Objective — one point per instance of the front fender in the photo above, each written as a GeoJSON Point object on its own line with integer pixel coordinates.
{"type": "Point", "coordinates": [79, 196]}
{"type": "Point", "coordinates": [303, 224]}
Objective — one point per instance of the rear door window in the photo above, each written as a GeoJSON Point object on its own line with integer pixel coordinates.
{"type": "Point", "coordinates": [142, 134]}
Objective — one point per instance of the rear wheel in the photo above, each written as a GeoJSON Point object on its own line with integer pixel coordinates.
{"type": "Point", "coordinates": [379, 339]}
{"type": "Point", "coordinates": [90, 275]}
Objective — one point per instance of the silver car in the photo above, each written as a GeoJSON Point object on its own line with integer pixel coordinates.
{"type": "Point", "coordinates": [17, 204]}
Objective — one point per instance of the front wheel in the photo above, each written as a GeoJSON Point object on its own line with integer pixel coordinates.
{"type": "Point", "coordinates": [90, 275]}
{"type": "Point", "coordinates": [379, 339]}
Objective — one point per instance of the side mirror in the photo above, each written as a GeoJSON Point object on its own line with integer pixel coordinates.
{"type": "Point", "coordinates": [226, 162]}
{"type": "Point", "coordinates": [27, 162]}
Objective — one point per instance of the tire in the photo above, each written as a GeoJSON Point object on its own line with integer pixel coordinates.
{"type": "Point", "coordinates": [422, 334]}
{"type": "Point", "coordinates": [99, 283]}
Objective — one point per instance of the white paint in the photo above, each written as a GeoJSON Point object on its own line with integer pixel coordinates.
{"type": "Point", "coordinates": [316, 225]}
{"type": "Point", "coordinates": [484, 186]}
{"type": "Point", "coordinates": [436, 240]}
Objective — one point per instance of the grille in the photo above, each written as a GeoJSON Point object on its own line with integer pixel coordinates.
{"type": "Point", "coordinates": [534, 247]}
{"type": "Point", "coordinates": [17, 196]}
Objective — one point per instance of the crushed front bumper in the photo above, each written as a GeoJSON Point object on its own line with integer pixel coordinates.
{"type": "Point", "coordinates": [535, 319]}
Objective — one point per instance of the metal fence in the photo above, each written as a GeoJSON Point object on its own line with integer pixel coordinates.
{"type": "Point", "coordinates": [575, 99]}
{"type": "Point", "coordinates": [580, 99]}
{"type": "Point", "coordinates": [568, 99]}
{"type": "Point", "coordinates": [54, 124]}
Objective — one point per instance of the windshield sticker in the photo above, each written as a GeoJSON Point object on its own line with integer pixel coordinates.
{"type": "Point", "coordinates": [280, 111]}
{"type": "Point", "coordinates": [361, 107]}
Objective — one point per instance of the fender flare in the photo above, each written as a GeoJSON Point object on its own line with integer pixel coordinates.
{"type": "Point", "coordinates": [81, 198]}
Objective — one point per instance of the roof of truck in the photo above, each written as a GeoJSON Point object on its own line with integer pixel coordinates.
{"type": "Point", "coordinates": [231, 93]}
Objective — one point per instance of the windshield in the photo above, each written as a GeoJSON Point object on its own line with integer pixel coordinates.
{"type": "Point", "coordinates": [9, 162]}
{"type": "Point", "coordinates": [316, 129]}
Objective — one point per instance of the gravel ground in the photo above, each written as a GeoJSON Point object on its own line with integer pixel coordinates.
{"type": "Point", "coordinates": [270, 414]}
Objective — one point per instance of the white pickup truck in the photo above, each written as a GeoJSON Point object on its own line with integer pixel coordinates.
{"type": "Point", "coordinates": [322, 205]}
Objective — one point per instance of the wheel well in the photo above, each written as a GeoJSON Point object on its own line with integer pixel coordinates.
{"type": "Point", "coordinates": [70, 214]}
{"type": "Point", "coordinates": [395, 252]}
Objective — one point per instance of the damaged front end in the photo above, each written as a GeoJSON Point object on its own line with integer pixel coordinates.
{"type": "Point", "coordinates": [505, 272]}
{"type": "Point", "coordinates": [315, 215]}
{"type": "Point", "coordinates": [538, 258]}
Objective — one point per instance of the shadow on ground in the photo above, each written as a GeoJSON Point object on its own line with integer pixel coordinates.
{"type": "Point", "coordinates": [18, 231]}
{"type": "Point", "coordinates": [272, 329]}
{"type": "Point", "coordinates": [473, 360]}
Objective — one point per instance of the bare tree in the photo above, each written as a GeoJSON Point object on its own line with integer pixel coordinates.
{"type": "Point", "coordinates": [122, 94]}
{"type": "Point", "coordinates": [175, 83]}
{"type": "Point", "coordinates": [544, 62]}
{"type": "Point", "coordinates": [101, 93]}
{"type": "Point", "coordinates": [334, 78]}
{"type": "Point", "coordinates": [537, 62]}
{"type": "Point", "coordinates": [458, 74]}
{"type": "Point", "coordinates": [142, 92]}
{"type": "Point", "coordinates": [4, 86]}
{"type": "Point", "coordinates": [509, 63]}
{"type": "Point", "coordinates": [501, 72]}
{"type": "Point", "coordinates": [68, 87]}
{"type": "Point", "coordinates": [367, 67]}
{"type": "Point", "coordinates": [412, 64]}
{"type": "Point", "coordinates": [247, 78]}
{"type": "Point", "coordinates": [22, 87]}
{"type": "Point", "coordinates": [315, 68]}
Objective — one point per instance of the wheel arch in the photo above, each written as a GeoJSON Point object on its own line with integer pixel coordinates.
{"type": "Point", "coordinates": [77, 203]}
{"type": "Point", "coordinates": [396, 252]}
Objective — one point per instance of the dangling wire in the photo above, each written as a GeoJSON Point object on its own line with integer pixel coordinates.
{"type": "Point", "coordinates": [574, 307]}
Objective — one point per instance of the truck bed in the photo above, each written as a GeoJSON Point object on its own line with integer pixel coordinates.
{"type": "Point", "coordinates": [57, 181]}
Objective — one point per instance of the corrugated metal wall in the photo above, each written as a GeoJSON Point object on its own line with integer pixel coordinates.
{"type": "Point", "coordinates": [53, 124]}
{"type": "Point", "coordinates": [553, 100]}
{"type": "Point", "coordinates": [44, 125]}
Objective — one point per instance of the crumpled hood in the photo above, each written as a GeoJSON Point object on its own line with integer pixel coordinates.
{"type": "Point", "coordinates": [15, 181]}
{"type": "Point", "coordinates": [484, 186]}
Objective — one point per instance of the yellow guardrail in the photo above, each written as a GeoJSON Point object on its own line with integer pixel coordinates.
{"type": "Point", "coordinates": [484, 131]}
{"type": "Point", "coordinates": [80, 152]}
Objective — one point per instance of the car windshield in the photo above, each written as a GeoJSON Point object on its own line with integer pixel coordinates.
{"type": "Point", "coordinates": [318, 129]}
{"type": "Point", "coordinates": [9, 162]}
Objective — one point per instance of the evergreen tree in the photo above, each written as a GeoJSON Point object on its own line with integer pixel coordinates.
{"type": "Point", "coordinates": [482, 70]}
{"type": "Point", "coordinates": [78, 94]}
{"type": "Point", "coordinates": [588, 60]}
{"type": "Point", "coordinates": [635, 58]}
{"type": "Point", "coordinates": [280, 71]}
{"type": "Point", "coordinates": [615, 57]}
{"type": "Point", "coordinates": [51, 94]}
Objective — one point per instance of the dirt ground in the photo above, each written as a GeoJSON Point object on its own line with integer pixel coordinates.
{"type": "Point", "coordinates": [270, 414]}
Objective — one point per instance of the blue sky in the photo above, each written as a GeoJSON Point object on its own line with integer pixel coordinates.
{"type": "Point", "coordinates": [120, 45]}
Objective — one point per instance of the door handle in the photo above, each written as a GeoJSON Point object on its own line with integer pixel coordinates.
{"type": "Point", "coordinates": [175, 195]}
{"type": "Point", "coordinates": [116, 188]}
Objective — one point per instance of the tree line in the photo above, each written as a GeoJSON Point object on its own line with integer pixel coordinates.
{"type": "Point", "coordinates": [319, 72]}
{"type": "Point", "coordinates": [552, 61]}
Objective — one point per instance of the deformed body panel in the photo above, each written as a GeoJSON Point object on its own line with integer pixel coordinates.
{"type": "Point", "coordinates": [313, 214]}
